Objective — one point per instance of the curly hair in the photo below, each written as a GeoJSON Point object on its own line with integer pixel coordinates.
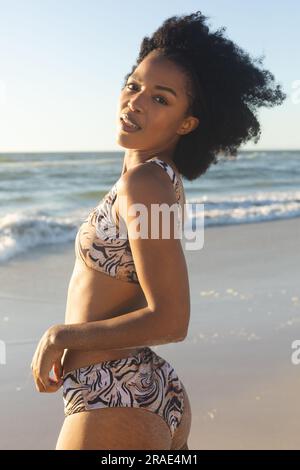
{"type": "Point", "coordinates": [225, 86]}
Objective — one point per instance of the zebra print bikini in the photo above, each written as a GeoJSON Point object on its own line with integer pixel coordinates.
{"type": "Point", "coordinates": [141, 380]}
{"type": "Point", "coordinates": [97, 241]}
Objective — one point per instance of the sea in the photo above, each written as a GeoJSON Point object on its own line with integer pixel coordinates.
{"type": "Point", "coordinates": [44, 197]}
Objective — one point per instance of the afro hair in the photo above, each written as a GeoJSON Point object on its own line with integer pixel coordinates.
{"type": "Point", "coordinates": [225, 86]}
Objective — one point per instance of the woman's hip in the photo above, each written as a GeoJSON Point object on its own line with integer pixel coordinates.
{"type": "Point", "coordinates": [144, 380]}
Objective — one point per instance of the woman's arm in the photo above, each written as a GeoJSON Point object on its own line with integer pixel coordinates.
{"type": "Point", "coordinates": [139, 328]}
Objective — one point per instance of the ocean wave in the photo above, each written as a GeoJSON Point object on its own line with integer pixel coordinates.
{"type": "Point", "coordinates": [232, 209]}
{"type": "Point", "coordinates": [24, 229]}
{"type": "Point", "coordinates": [20, 232]}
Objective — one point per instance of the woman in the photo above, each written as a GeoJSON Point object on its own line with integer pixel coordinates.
{"type": "Point", "coordinates": [192, 95]}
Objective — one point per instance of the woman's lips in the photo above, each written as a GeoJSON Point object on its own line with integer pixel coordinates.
{"type": "Point", "coordinates": [128, 128]}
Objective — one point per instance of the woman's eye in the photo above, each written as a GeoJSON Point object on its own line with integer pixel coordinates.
{"type": "Point", "coordinates": [164, 101]}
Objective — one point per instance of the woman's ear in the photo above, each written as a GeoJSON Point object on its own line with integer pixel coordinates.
{"type": "Point", "coordinates": [189, 125]}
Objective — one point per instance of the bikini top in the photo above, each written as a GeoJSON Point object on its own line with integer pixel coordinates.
{"type": "Point", "coordinates": [97, 241]}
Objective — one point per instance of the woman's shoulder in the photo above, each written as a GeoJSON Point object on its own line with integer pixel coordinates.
{"type": "Point", "coordinates": [146, 180]}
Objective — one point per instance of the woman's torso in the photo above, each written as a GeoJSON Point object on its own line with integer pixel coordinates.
{"type": "Point", "coordinates": [103, 283]}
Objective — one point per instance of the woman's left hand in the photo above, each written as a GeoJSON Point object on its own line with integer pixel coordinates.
{"type": "Point", "coordinates": [47, 356]}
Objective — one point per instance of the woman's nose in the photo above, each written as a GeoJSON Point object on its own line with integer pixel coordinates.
{"type": "Point", "coordinates": [136, 103]}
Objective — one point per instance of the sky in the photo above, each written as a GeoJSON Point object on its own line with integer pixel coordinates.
{"type": "Point", "coordinates": [62, 65]}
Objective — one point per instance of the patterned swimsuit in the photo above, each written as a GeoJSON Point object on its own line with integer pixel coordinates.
{"type": "Point", "coordinates": [142, 379]}
{"type": "Point", "coordinates": [98, 243]}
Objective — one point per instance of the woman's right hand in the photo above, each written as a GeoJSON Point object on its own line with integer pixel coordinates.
{"type": "Point", "coordinates": [47, 355]}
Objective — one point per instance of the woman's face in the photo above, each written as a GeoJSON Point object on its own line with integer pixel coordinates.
{"type": "Point", "coordinates": [159, 112]}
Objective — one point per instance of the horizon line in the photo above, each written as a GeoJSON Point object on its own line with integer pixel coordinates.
{"type": "Point", "coordinates": [120, 151]}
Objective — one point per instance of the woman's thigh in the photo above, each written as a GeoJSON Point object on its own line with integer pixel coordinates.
{"type": "Point", "coordinates": [181, 434]}
{"type": "Point", "coordinates": [116, 428]}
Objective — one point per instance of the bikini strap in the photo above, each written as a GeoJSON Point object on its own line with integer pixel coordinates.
{"type": "Point", "coordinates": [169, 170]}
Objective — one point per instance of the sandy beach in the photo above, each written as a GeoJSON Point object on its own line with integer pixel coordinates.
{"type": "Point", "coordinates": [235, 363]}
